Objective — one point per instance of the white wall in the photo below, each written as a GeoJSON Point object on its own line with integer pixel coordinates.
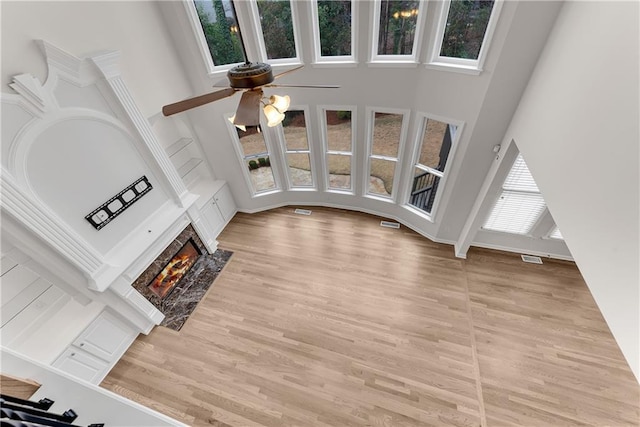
{"type": "Point", "coordinates": [92, 403]}
{"type": "Point", "coordinates": [577, 128]}
{"type": "Point", "coordinates": [149, 64]}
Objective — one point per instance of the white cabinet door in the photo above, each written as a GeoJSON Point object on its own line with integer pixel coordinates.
{"type": "Point", "coordinates": [214, 217]}
{"type": "Point", "coordinates": [82, 365]}
{"type": "Point", "coordinates": [224, 200]}
{"type": "Point", "coordinates": [106, 337]}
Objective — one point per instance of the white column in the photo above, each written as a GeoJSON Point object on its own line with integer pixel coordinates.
{"type": "Point", "coordinates": [107, 64]}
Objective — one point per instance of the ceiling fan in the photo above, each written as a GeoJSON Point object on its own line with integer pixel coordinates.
{"type": "Point", "coordinates": [249, 78]}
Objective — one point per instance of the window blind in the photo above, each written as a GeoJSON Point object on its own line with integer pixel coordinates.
{"type": "Point", "coordinates": [520, 204]}
{"type": "Point", "coordinates": [519, 178]}
{"type": "Point", "coordinates": [515, 212]}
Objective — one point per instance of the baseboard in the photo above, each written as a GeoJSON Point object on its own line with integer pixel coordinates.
{"type": "Point", "coordinates": [522, 251]}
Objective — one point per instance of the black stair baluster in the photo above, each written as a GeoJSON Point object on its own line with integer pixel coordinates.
{"type": "Point", "coordinates": [43, 404]}
{"type": "Point", "coordinates": [68, 416]}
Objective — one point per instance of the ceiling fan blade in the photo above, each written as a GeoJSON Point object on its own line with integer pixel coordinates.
{"type": "Point", "coordinates": [197, 101]}
{"type": "Point", "coordinates": [307, 86]}
{"type": "Point", "coordinates": [287, 72]}
{"type": "Point", "coordinates": [248, 112]}
{"type": "Point", "coordinates": [222, 83]}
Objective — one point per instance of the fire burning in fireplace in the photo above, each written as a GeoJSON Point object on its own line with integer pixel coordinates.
{"type": "Point", "coordinates": [175, 269]}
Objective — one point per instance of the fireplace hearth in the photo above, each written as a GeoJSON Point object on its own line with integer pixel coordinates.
{"type": "Point", "coordinates": [180, 276]}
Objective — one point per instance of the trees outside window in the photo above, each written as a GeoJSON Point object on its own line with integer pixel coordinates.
{"type": "Point", "coordinates": [465, 30]}
{"type": "Point", "coordinates": [277, 28]}
{"type": "Point", "coordinates": [334, 23]}
{"type": "Point", "coordinates": [220, 28]}
{"type": "Point", "coordinates": [398, 20]}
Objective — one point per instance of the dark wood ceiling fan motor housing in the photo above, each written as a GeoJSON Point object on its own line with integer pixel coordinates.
{"type": "Point", "coordinates": [250, 75]}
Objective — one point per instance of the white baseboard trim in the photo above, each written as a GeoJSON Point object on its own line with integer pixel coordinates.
{"type": "Point", "coordinates": [521, 251]}
{"type": "Point", "coordinates": [420, 232]}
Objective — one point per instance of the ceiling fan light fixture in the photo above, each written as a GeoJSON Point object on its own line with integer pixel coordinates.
{"type": "Point", "coordinates": [281, 103]}
{"type": "Point", "coordinates": [274, 117]}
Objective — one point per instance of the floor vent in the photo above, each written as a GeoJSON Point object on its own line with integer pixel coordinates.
{"type": "Point", "coordinates": [389, 224]}
{"type": "Point", "coordinates": [302, 212]}
{"type": "Point", "coordinates": [531, 259]}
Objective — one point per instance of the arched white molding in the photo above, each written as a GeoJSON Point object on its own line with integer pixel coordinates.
{"type": "Point", "coordinates": [20, 147]}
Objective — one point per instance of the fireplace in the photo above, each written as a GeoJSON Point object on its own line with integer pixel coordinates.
{"type": "Point", "coordinates": [180, 276]}
{"type": "Point", "coordinates": [176, 268]}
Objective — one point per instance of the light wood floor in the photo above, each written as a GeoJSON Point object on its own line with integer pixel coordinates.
{"type": "Point", "coordinates": [330, 319]}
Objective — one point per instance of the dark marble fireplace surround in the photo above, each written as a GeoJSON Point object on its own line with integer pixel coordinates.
{"type": "Point", "coordinates": [184, 298]}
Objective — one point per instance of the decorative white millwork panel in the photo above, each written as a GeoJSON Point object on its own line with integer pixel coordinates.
{"type": "Point", "coordinates": [68, 66]}
{"type": "Point", "coordinates": [107, 64]}
{"type": "Point", "coordinates": [33, 93]}
{"type": "Point", "coordinates": [86, 141]}
{"type": "Point", "coordinates": [39, 219]}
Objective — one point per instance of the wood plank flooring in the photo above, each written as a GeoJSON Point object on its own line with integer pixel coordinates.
{"type": "Point", "coordinates": [22, 388]}
{"type": "Point", "coordinates": [332, 320]}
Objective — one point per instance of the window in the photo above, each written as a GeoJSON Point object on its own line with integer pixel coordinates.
{"type": "Point", "coordinates": [520, 204]}
{"type": "Point", "coordinates": [219, 31]}
{"type": "Point", "coordinates": [255, 158]}
{"type": "Point", "coordinates": [334, 30]}
{"type": "Point", "coordinates": [386, 134]}
{"type": "Point", "coordinates": [430, 160]}
{"type": "Point", "coordinates": [296, 149]}
{"type": "Point", "coordinates": [395, 30]}
{"type": "Point", "coordinates": [465, 30]}
{"type": "Point", "coordinates": [338, 138]}
{"type": "Point", "coordinates": [277, 24]}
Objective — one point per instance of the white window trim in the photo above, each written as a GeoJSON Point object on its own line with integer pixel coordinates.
{"type": "Point", "coordinates": [396, 60]}
{"type": "Point", "coordinates": [255, 14]}
{"type": "Point", "coordinates": [344, 60]}
{"type": "Point", "coordinates": [422, 119]}
{"type": "Point", "coordinates": [468, 66]}
{"type": "Point", "coordinates": [397, 173]}
{"type": "Point", "coordinates": [322, 111]}
{"type": "Point", "coordinates": [242, 159]}
{"type": "Point", "coordinates": [201, 42]}
{"type": "Point", "coordinates": [283, 144]}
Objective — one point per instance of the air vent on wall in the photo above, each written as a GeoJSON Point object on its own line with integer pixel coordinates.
{"type": "Point", "coordinates": [389, 224]}
{"type": "Point", "coordinates": [531, 259]}
{"type": "Point", "coordinates": [302, 212]}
